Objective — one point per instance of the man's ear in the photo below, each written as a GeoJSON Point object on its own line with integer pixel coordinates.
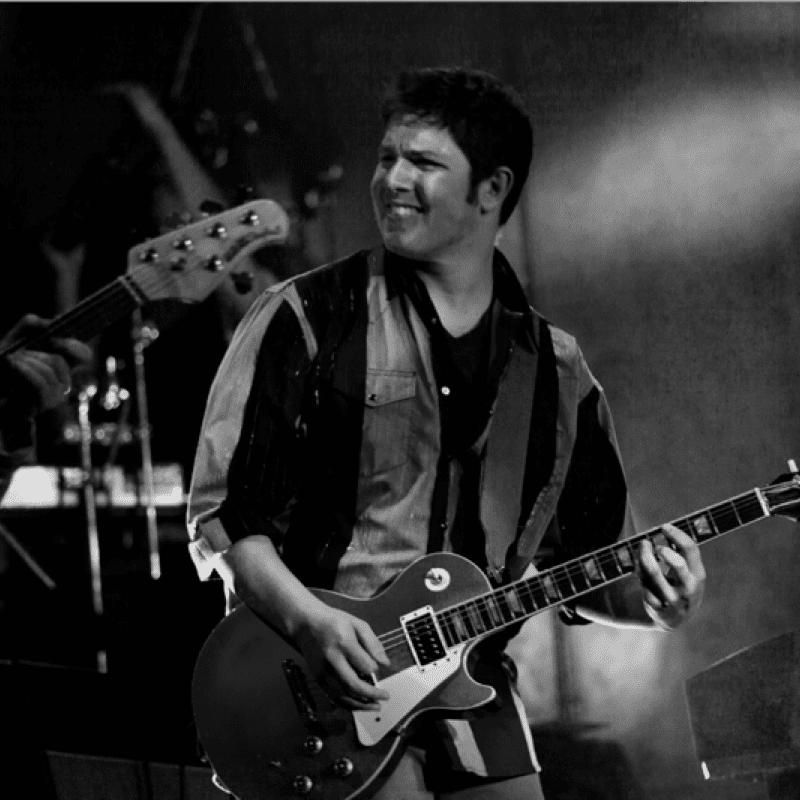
{"type": "Point", "coordinates": [494, 189]}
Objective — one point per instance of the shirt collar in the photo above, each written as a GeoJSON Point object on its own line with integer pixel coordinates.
{"type": "Point", "coordinates": [508, 291]}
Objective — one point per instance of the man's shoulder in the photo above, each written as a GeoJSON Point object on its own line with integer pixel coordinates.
{"type": "Point", "coordinates": [333, 275]}
{"type": "Point", "coordinates": [565, 345]}
{"type": "Point", "coordinates": [329, 292]}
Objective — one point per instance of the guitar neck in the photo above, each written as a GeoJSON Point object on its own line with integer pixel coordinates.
{"type": "Point", "coordinates": [88, 317]}
{"type": "Point", "coordinates": [527, 597]}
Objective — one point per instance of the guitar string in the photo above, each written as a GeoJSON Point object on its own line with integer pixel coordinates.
{"type": "Point", "coordinates": [74, 319]}
{"type": "Point", "coordinates": [106, 304]}
{"type": "Point", "coordinates": [606, 557]}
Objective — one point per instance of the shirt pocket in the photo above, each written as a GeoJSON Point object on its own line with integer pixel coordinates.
{"type": "Point", "coordinates": [389, 399]}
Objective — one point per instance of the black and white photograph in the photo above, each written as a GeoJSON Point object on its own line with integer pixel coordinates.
{"type": "Point", "coordinates": [400, 401]}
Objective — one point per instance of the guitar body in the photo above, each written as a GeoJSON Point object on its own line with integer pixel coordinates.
{"type": "Point", "coordinates": [256, 734]}
{"type": "Point", "coordinates": [270, 731]}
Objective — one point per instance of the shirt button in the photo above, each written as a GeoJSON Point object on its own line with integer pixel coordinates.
{"type": "Point", "coordinates": [446, 391]}
{"type": "Point", "coordinates": [442, 526]}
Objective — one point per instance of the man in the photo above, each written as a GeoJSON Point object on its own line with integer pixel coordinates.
{"type": "Point", "coordinates": [32, 380]}
{"type": "Point", "coordinates": [406, 400]}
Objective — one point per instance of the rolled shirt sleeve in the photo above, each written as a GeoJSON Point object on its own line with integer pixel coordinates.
{"type": "Point", "coordinates": [224, 424]}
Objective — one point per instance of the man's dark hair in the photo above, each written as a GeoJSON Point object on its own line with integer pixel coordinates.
{"type": "Point", "coordinates": [486, 119]}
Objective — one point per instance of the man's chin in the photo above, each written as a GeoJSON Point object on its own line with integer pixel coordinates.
{"type": "Point", "coordinates": [396, 245]}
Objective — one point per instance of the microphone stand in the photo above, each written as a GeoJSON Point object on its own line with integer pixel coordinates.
{"type": "Point", "coordinates": [90, 506]}
{"type": "Point", "coordinates": [143, 335]}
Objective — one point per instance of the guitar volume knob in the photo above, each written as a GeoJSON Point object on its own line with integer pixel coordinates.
{"type": "Point", "coordinates": [312, 745]}
{"type": "Point", "coordinates": [302, 784]}
{"type": "Point", "coordinates": [342, 767]}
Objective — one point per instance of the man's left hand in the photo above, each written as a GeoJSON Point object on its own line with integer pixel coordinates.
{"type": "Point", "coordinates": [673, 578]}
{"type": "Point", "coordinates": [39, 380]}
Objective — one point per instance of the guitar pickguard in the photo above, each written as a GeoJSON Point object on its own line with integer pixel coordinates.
{"type": "Point", "coordinates": [407, 689]}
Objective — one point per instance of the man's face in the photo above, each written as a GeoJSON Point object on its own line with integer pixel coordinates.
{"type": "Point", "coordinates": [419, 191]}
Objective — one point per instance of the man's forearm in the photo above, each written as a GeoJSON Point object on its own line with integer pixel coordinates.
{"type": "Point", "coordinates": [259, 577]}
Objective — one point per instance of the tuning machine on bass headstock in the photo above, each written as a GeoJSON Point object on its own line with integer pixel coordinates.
{"type": "Point", "coordinates": [189, 263]}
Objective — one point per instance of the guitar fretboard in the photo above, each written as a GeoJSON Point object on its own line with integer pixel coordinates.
{"type": "Point", "coordinates": [530, 596]}
{"type": "Point", "coordinates": [88, 317]}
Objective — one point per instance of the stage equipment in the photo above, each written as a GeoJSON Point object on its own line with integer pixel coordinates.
{"type": "Point", "coordinates": [144, 334]}
{"type": "Point", "coordinates": [185, 265]}
{"type": "Point", "coordinates": [90, 509]}
{"type": "Point", "coordinates": [745, 716]}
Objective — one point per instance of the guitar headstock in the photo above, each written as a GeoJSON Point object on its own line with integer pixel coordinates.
{"type": "Point", "coordinates": [782, 496]}
{"type": "Point", "coordinates": [189, 263]}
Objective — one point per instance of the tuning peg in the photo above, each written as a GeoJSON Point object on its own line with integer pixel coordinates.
{"type": "Point", "coordinates": [243, 282]}
{"type": "Point", "coordinates": [211, 207]}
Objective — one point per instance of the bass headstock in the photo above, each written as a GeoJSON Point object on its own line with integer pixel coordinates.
{"type": "Point", "coordinates": [189, 263]}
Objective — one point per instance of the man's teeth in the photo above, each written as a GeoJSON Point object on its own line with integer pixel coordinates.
{"type": "Point", "coordinates": [403, 211]}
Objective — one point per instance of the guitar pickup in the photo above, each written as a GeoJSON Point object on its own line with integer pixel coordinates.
{"type": "Point", "coordinates": [301, 693]}
{"type": "Point", "coordinates": [424, 637]}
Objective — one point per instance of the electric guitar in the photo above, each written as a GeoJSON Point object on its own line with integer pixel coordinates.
{"type": "Point", "coordinates": [186, 264]}
{"type": "Point", "coordinates": [271, 732]}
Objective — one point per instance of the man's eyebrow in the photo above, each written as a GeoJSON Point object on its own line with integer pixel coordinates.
{"type": "Point", "coordinates": [413, 151]}
{"type": "Point", "coordinates": [424, 153]}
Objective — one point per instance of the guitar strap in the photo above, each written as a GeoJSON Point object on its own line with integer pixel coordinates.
{"type": "Point", "coordinates": [520, 449]}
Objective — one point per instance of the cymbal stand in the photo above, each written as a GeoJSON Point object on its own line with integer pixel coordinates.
{"type": "Point", "coordinates": [143, 335]}
{"type": "Point", "coordinates": [90, 504]}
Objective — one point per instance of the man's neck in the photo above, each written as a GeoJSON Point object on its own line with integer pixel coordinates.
{"type": "Point", "coordinates": [460, 289]}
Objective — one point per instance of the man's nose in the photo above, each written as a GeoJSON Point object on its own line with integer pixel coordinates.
{"type": "Point", "coordinates": [400, 175]}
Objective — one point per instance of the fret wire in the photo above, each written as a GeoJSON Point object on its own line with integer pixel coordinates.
{"type": "Point", "coordinates": [486, 617]}
{"type": "Point", "coordinates": [535, 589]}
{"type": "Point", "coordinates": [496, 617]}
{"type": "Point", "coordinates": [733, 508]}
{"type": "Point", "coordinates": [535, 594]}
{"type": "Point", "coordinates": [724, 518]}
{"type": "Point", "coordinates": [573, 590]}
{"type": "Point", "coordinates": [465, 620]}
{"type": "Point", "coordinates": [445, 626]}
{"type": "Point", "coordinates": [475, 617]}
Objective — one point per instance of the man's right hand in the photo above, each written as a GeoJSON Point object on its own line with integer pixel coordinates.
{"type": "Point", "coordinates": [342, 650]}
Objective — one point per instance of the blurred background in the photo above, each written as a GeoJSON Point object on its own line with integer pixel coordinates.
{"type": "Point", "coordinates": [659, 225]}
